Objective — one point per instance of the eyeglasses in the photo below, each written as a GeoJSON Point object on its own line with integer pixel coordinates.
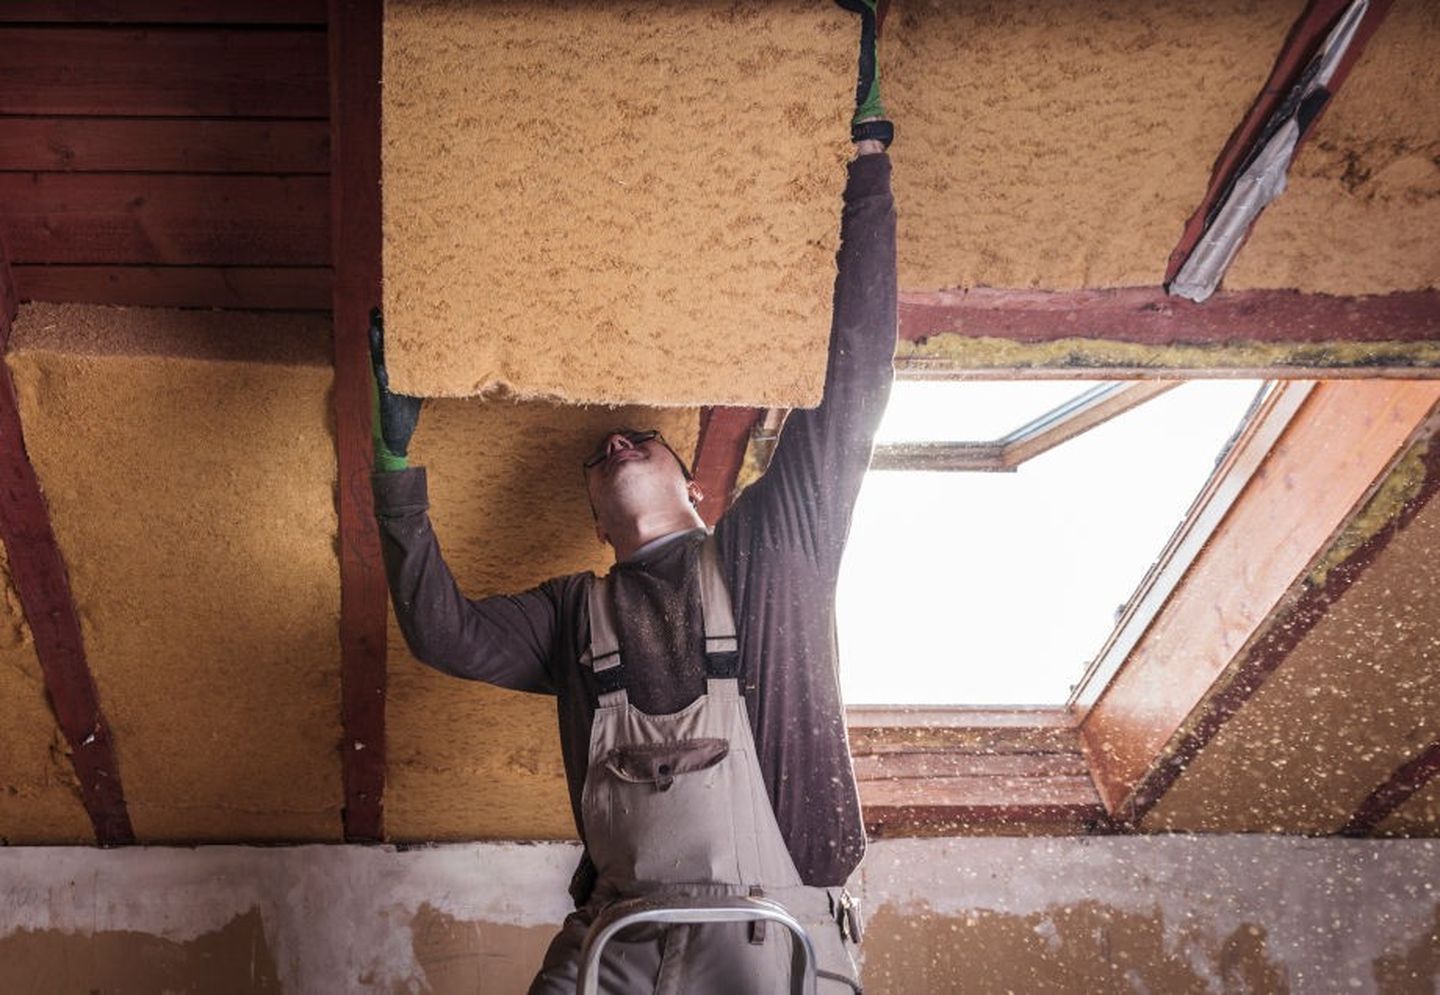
{"type": "Point", "coordinates": [633, 437]}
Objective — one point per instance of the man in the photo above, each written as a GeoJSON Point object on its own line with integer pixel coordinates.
{"type": "Point", "coordinates": [698, 693]}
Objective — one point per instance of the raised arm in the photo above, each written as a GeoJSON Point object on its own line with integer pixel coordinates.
{"type": "Point", "coordinates": [504, 640]}
{"type": "Point", "coordinates": [806, 496]}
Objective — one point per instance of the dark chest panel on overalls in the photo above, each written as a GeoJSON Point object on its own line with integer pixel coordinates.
{"type": "Point", "coordinates": [657, 608]}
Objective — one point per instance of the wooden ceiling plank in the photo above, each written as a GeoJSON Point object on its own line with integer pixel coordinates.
{"type": "Point", "coordinates": [1148, 316]}
{"type": "Point", "coordinates": [296, 12]}
{"type": "Point", "coordinates": [42, 583]}
{"type": "Point", "coordinates": [719, 454]}
{"type": "Point", "coordinates": [171, 219]}
{"type": "Point", "coordinates": [1305, 38]}
{"type": "Point", "coordinates": [250, 288]}
{"type": "Point", "coordinates": [165, 72]}
{"type": "Point", "coordinates": [165, 145]}
{"type": "Point", "coordinates": [1185, 679]}
{"type": "Point", "coordinates": [356, 28]}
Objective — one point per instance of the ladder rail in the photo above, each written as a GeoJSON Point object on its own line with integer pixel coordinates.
{"type": "Point", "coordinates": [673, 911]}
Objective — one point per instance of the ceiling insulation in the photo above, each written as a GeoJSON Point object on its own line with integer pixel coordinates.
{"type": "Point", "coordinates": [193, 499]}
{"type": "Point", "coordinates": [1054, 145]}
{"type": "Point", "coordinates": [1357, 698]}
{"type": "Point", "coordinates": [1362, 204]}
{"type": "Point", "coordinates": [39, 796]}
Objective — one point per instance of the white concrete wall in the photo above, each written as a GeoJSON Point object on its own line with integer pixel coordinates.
{"type": "Point", "coordinates": [348, 918]}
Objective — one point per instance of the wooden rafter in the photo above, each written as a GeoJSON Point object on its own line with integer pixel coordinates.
{"type": "Point", "coordinates": [719, 452]}
{"type": "Point", "coordinates": [1416, 773]}
{"type": "Point", "coordinates": [43, 585]}
{"type": "Point", "coordinates": [1305, 37]}
{"type": "Point", "coordinates": [1381, 803]}
{"type": "Point", "coordinates": [1148, 316]}
{"type": "Point", "coordinates": [355, 53]}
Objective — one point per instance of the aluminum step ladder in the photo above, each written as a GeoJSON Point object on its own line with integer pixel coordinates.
{"type": "Point", "coordinates": [672, 911]}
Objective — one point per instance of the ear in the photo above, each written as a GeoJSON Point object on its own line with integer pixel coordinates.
{"type": "Point", "coordinates": [694, 492]}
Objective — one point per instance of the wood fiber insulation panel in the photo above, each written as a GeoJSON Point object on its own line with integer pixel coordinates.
{"type": "Point", "coordinates": [1357, 698]}
{"type": "Point", "coordinates": [1043, 144]}
{"type": "Point", "coordinates": [466, 760]}
{"type": "Point", "coordinates": [631, 202]}
{"type": "Point", "coordinates": [189, 467]}
{"type": "Point", "coordinates": [39, 796]}
{"type": "Point", "coordinates": [1362, 202]}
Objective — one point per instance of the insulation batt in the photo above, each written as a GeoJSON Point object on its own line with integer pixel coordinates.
{"type": "Point", "coordinates": [617, 203]}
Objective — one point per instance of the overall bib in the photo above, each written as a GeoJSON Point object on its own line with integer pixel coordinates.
{"type": "Point", "coordinates": [676, 804]}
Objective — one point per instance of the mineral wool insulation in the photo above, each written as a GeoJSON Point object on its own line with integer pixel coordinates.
{"type": "Point", "coordinates": [614, 202]}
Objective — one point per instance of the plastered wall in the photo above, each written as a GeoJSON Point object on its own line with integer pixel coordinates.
{"type": "Point", "coordinates": [1174, 915]}
{"type": "Point", "coordinates": [616, 202]}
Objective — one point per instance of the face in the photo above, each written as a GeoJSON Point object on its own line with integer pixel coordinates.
{"type": "Point", "coordinates": [633, 473]}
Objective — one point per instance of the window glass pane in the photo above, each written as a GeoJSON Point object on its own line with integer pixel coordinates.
{"type": "Point", "coordinates": [953, 411]}
{"type": "Point", "coordinates": [998, 588]}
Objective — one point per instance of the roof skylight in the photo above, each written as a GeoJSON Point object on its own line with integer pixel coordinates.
{"type": "Point", "coordinates": [999, 588]}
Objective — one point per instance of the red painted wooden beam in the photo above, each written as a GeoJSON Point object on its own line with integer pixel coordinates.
{"type": "Point", "coordinates": [355, 50]}
{"type": "Point", "coordinates": [1148, 315]}
{"type": "Point", "coordinates": [43, 585]}
{"type": "Point", "coordinates": [1305, 37]}
{"type": "Point", "coordinates": [724, 436]}
{"type": "Point", "coordinates": [1273, 649]}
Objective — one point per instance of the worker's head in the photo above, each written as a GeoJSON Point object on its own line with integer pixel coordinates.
{"type": "Point", "coordinates": [635, 474]}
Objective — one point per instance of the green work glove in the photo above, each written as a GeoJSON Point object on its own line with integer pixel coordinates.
{"type": "Point", "coordinates": [394, 415]}
{"type": "Point", "coordinates": [869, 121]}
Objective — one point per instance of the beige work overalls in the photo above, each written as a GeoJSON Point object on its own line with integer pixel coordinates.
{"type": "Point", "coordinates": [677, 804]}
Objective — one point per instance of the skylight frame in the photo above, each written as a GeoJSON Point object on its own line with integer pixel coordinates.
{"type": "Point", "coordinates": [1089, 409]}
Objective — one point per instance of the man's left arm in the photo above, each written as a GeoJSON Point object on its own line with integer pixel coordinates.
{"type": "Point", "coordinates": [807, 494]}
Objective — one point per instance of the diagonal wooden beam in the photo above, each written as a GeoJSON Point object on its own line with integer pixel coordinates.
{"type": "Point", "coordinates": [1385, 799]}
{"type": "Point", "coordinates": [355, 52]}
{"type": "Point", "coordinates": [1415, 774]}
{"type": "Point", "coordinates": [1305, 37]}
{"type": "Point", "coordinates": [1149, 316]}
{"type": "Point", "coordinates": [43, 584]}
{"type": "Point", "coordinates": [719, 453]}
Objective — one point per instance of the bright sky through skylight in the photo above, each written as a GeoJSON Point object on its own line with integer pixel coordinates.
{"type": "Point", "coordinates": [998, 588]}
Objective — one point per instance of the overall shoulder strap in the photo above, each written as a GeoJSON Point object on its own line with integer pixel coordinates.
{"type": "Point", "coordinates": [722, 648]}
{"type": "Point", "coordinates": [603, 654]}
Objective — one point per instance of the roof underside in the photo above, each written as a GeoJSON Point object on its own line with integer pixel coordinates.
{"type": "Point", "coordinates": [189, 461]}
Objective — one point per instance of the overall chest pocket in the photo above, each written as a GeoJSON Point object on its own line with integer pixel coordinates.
{"type": "Point", "coordinates": [658, 764]}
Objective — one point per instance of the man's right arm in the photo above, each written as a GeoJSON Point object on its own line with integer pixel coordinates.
{"type": "Point", "coordinates": [504, 640]}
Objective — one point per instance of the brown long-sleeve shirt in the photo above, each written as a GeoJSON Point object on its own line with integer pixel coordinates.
{"type": "Point", "coordinates": [779, 546]}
